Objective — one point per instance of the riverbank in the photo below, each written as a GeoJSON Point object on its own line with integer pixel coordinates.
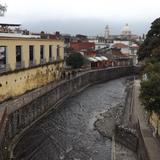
{"type": "Point", "coordinates": [149, 146]}
{"type": "Point", "coordinates": [119, 114]}
{"type": "Point", "coordinates": [68, 132]}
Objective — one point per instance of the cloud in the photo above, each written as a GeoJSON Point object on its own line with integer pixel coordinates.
{"type": "Point", "coordinates": [117, 11]}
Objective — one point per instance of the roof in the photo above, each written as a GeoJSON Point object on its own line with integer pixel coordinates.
{"type": "Point", "coordinates": [96, 59]}
{"type": "Point", "coordinates": [104, 58]}
{"type": "Point", "coordinates": [118, 53]}
{"type": "Point", "coordinates": [135, 46]}
{"type": "Point", "coordinates": [8, 24]}
{"type": "Point", "coordinates": [119, 45]}
{"type": "Point", "coordinates": [91, 59]}
{"type": "Point", "coordinates": [18, 35]}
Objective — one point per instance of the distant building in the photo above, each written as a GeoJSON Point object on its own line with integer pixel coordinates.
{"type": "Point", "coordinates": [126, 31]}
{"type": "Point", "coordinates": [107, 32]}
{"type": "Point", "coordinates": [126, 34]}
{"type": "Point", "coordinates": [100, 42]}
{"type": "Point", "coordinates": [82, 46]}
{"type": "Point", "coordinates": [125, 49]}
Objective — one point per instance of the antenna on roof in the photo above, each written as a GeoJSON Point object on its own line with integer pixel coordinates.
{"type": "Point", "coordinates": [3, 9]}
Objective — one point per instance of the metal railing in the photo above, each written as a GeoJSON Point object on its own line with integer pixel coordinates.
{"type": "Point", "coordinates": [4, 68]}
{"type": "Point", "coordinates": [32, 63]}
{"type": "Point", "coordinates": [20, 65]}
{"type": "Point", "coordinates": [51, 59]}
{"type": "Point", "coordinates": [58, 58]}
{"type": "Point", "coordinates": [42, 61]}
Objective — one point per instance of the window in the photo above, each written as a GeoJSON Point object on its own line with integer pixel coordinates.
{"type": "Point", "coordinates": [18, 53]}
{"type": "Point", "coordinates": [50, 51]}
{"type": "Point", "coordinates": [2, 56]}
{"type": "Point", "coordinates": [58, 52]}
{"type": "Point", "coordinates": [31, 53]}
{"type": "Point", "coordinates": [41, 51]}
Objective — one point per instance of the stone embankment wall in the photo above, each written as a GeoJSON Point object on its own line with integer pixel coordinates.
{"type": "Point", "coordinates": [142, 153]}
{"type": "Point", "coordinates": [127, 137]}
{"type": "Point", "coordinates": [147, 147]}
{"type": "Point", "coordinates": [26, 110]}
{"type": "Point", "coordinates": [18, 82]}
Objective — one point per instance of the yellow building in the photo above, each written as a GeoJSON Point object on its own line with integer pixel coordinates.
{"type": "Point", "coordinates": [27, 63]}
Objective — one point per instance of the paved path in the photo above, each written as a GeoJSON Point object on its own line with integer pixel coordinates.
{"type": "Point", "coordinates": [151, 143]}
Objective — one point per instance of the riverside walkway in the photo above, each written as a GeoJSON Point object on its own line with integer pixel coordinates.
{"type": "Point", "coordinates": [151, 143]}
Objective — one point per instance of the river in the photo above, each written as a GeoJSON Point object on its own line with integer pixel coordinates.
{"type": "Point", "coordinates": [68, 133]}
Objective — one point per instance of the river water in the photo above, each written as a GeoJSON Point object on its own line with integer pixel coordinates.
{"type": "Point", "coordinates": [68, 133]}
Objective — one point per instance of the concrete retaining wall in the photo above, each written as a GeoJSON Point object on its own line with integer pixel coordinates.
{"type": "Point", "coordinates": [126, 137]}
{"type": "Point", "coordinates": [25, 114]}
{"type": "Point", "coordinates": [142, 153]}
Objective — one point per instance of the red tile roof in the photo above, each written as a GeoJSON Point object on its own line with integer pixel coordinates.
{"type": "Point", "coordinates": [82, 45]}
{"type": "Point", "coordinates": [118, 53]}
{"type": "Point", "coordinates": [120, 45]}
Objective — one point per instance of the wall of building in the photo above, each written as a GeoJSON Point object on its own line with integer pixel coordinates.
{"type": "Point", "coordinates": [11, 44]}
{"type": "Point", "coordinates": [17, 83]}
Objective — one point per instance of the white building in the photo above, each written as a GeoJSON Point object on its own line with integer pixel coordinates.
{"type": "Point", "coordinates": [99, 44]}
{"type": "Point", "coordinates": [107, 32]}
{"type": "Point", "coordinates": [126, 31]}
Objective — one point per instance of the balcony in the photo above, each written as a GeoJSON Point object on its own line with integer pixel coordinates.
{"type": "Point", "coordinates": [58, 58]}
{"type": "Point", "coordinates": [32, 63]}
{"type": "Point", "coordinates": [51, 59]}
{"type": "Point", "coordinates": [4, 68]}
{"type": "Point", "coordinates": [42, 61]}
{"type": "Point", "coordinates": [20, 65]}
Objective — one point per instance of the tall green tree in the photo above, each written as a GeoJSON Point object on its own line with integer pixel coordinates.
{"type": "Point", "coordinates": [151, 45]}
{"type": "Point", "coordinates": [75, 60]}
{"type": "Point", "coordinates": [150, 93]}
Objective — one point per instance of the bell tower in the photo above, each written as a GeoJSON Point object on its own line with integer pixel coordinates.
{"type": "Point", "coordinates": [107, 32]}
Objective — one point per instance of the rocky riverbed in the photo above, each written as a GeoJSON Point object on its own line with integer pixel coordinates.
{"type": "Point", "coordinates": [106, 121]}
{"type": "Point", "coordinates": [68, 133]}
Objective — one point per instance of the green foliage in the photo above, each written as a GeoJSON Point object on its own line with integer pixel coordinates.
{"type": "Point", "coordinates": [152, 66]}
{"type": "Point", "coordinates": [150, 88]}
{"type": "Point", "coordinates": [150, 93]}
{"type": "Point", "coordinates": [75, 60]}
{"type": "Point", "coordinates": [150, 51]}
{"type": "Point", "coordinates": [151, 45]}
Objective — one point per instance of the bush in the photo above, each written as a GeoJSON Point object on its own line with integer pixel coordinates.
{"type": "Point", "coordinates": [150, 88]}
{"type": "Point", "coordinates": [75, 60]}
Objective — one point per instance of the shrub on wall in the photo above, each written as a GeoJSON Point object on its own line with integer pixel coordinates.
{"type": "Point", "coordinates": [75, 60]}
{"type": "Point", "coordinates": [150, 88]}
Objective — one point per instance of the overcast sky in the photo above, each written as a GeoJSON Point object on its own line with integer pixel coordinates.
{"type": "Point", "coordinates": [82, 16]}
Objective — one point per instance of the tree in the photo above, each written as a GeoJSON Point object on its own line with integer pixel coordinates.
{"type": "Point", "coordinates": [151, 45]}
{"type": "Point", "coordinates": [75, 60]}
{"type": "Point", "coordinates": [150, 93]}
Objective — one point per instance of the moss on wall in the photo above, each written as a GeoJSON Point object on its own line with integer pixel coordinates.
{"type": "Point", "coordinates": [17, 83]}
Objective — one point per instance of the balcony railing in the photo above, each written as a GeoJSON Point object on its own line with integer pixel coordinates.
{"type": "Point", "coordinates": [32, 63]}
{"type": "Point", "coordinates": [58, 58]}
{"type": "Point", "coordinates": [20, 65]}
{"type": "Point", "coordinates": [4, 68]}
{"type": "Point", "coordinates": [42, 61]}
{"type": "Point", "coordinates": [51, 59]}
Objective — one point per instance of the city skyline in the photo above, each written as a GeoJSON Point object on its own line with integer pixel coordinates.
{"type": "Point", "coordinates": [86, 17]}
